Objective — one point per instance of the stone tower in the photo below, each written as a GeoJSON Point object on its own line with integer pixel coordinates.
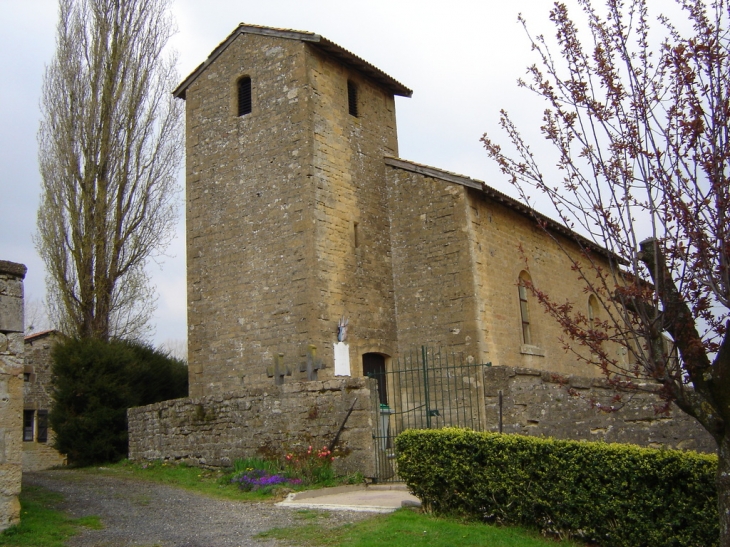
{"type": "Point", "coordinates": [287, 214]}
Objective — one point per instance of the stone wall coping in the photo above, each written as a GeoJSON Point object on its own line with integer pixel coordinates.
{"type": "Point", "coordinates": [41, 334]}
{"type": "Point", "coordinates": [576, 381]}
{"type": "Point", "coordinates": [13, 268]}
{"type": "Point", "coordinates": [259, 391]}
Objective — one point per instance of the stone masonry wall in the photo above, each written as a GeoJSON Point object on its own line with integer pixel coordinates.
{"type": "Point", "coordinates": [351, 266]}
{"type": "Point", "coordinates": [432, 266]}
{"type": "Point", "coordinates": [498, 233]}
{"type": "Point", "coordinates": [260, 421]}
{"type": "Point", "coordinates": [39, 454]}
{"type": "Point", "coordinates": [456, 264]}
{"type": "Point", "coordinates": [11, 390]}
{"type": "Point", "coordinates": [248, 216]}
{"type": "Point", "coordinates": [275, 199]}
{"type": "Point", "coordinates": [541, 403]}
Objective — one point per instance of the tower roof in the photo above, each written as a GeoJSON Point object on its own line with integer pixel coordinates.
{"type": "Point", "coordinates": [320, 42]}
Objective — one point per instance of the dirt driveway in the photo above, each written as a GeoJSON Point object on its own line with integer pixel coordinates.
{"type": "Point", "coordinates": [140, 513]}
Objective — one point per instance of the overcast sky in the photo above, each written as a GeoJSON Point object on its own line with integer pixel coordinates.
{"type": "Point", "coordinates": [461, 58]}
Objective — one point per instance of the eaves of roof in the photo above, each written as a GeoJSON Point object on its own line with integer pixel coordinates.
{"type": "Point", "coordinates": [40, 334]}
{"type": "Point", "coordinates": [320, 42]}
{"type": "Point", "coordinates": [503, 199]}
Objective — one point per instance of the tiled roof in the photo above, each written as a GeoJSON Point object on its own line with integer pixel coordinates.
{"type": "Point", "coordinates": [40, 334]}
{"type": "Point", "coordinates": [338, 52]}
{"type": "Point", "coordinates": [499, 197]}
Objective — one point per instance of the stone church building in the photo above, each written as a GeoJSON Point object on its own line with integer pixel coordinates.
{"type": "Point", "coordinates": [300, 213]}
{"type": "Point", "coordinates": [317, 257]}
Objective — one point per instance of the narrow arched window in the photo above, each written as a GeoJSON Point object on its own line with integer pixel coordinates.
{"type": "Point", "coordinates": [244, 96]}
{"type": "Point", "coordinates": [352, 97]}
{"type": "Point", "coordinates": [522, 288]}
{"type": "Point", "coordinates": [593, 311]}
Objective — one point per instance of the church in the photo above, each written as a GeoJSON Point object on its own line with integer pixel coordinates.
{"type": "Point", "coordinates": [301, 215]}
{"type": "Point", "coordinates": [320, 263]}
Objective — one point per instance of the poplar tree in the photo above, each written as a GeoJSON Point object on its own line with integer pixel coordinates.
{"type": "Point", "coordinates": [110, 145]}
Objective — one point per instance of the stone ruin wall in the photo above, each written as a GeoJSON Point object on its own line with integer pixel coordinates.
{"type": "Point", "coordinates": [11, 390]}
{"type": "Point", "coordinates": [540, 403]}
{"type": "Point", "coordinates": [268, 421]}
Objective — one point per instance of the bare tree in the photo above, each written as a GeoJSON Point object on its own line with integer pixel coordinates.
{"type": "Point", "coordinates": [176, 348]}
{"type": "Point", "coordinates": [641, 126]}
{"type": "Point", "coordinates": [35, 315]}
{"type": "Point", "coordinates": [110, 145]}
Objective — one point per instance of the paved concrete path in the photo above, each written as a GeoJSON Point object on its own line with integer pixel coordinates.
{"type": "Point", "coordinates": [372, 499]}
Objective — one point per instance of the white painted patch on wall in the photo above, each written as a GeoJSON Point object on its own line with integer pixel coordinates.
{"type": "Point", "coordinates": [342, 359]}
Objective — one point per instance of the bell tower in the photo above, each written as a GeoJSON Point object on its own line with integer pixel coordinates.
{"type": "Point", "coordinates": [287, 220]}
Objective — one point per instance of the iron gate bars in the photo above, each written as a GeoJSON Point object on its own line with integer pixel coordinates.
{"type": "Point", "coordinates": [426, 389]}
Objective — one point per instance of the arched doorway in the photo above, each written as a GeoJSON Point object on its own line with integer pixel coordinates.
{"type": "Point", "coordinates": [373, 365]}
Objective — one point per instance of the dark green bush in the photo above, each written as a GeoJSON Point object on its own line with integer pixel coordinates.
{"type": "Point", "coordinates": [613, 495]}
{"type": "Point", "coordinates": [95, 382]}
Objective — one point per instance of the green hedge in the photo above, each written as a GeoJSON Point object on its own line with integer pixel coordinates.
{"type": "Point", "coordinates": [611, 494]}
{"type": "Point", "coordinates": [95, 382]}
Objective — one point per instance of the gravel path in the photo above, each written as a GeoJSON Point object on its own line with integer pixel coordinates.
{"type": "Point", "coordinates": [140, 513]}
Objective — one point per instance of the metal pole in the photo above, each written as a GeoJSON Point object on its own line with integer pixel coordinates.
{"type": "Point", "coordinates": [425, 387]}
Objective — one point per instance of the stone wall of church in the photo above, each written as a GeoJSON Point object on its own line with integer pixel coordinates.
{"type": "Point", "coordinates": [11, 390]}
{"type": "Point", "coordinates": [248, 213]}
{"type": "Point", "coordinates": [506, 243]}
{"type": "Point", "coordinates": [433, 270]}
{"type": "Point", "coordinates": [457, 256]}
{"type": "Point", "coordinates": [286, 214]}
{"type": "Point", "coordinates": [266, 421]}
{"type": "Point", "coordinates": [574, 407]}
{"type": "Point", "coordinates": [351, 267]}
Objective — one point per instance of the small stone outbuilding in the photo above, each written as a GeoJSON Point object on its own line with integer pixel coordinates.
{"type": "Point", "coordinates": [38, 452]}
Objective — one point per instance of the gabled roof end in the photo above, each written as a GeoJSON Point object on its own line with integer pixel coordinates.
{"type": "Point", "coordinates": [338, 52]}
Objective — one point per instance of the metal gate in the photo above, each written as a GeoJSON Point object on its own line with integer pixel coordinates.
{"type": "Point", "coordinates": [426, 389]}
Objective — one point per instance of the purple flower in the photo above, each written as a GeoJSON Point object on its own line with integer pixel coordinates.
{"type": "Point", "coordinates": [258, 478]}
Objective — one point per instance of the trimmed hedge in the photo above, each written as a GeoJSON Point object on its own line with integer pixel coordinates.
{"type": "Point", "coordinates": [615, 495]}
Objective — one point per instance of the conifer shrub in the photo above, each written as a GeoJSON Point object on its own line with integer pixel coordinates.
{"type": "Point", "coordinates": [95, 382]}
{"type": "Point", "coordinates": [613, 495]}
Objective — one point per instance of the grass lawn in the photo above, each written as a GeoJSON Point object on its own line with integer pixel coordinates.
{"type": "Point", "coordinates": [211, 482]}
{"type": "Point", "coordinates": [41, 523]}
{"type": "Point", "coordinates": [406, 528]}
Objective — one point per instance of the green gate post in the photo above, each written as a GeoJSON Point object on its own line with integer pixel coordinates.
{"type": "Point", "coordinates": [424, 352]}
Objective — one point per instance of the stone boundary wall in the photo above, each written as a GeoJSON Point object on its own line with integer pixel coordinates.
{"type": "Point", "coordinates": [541, 403]}
{"type": "Point", "coordinates": [268, 421]}
{"type": "Point", "coordinates": [11, 390]}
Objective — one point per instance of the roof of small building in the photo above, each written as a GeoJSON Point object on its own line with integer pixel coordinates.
{"type": "Point", "coordinates": [320, 42]}
{"type": "Point", "coordinates": [41, 334]}
{"type": "Point", "coordinates": [504, 199]}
